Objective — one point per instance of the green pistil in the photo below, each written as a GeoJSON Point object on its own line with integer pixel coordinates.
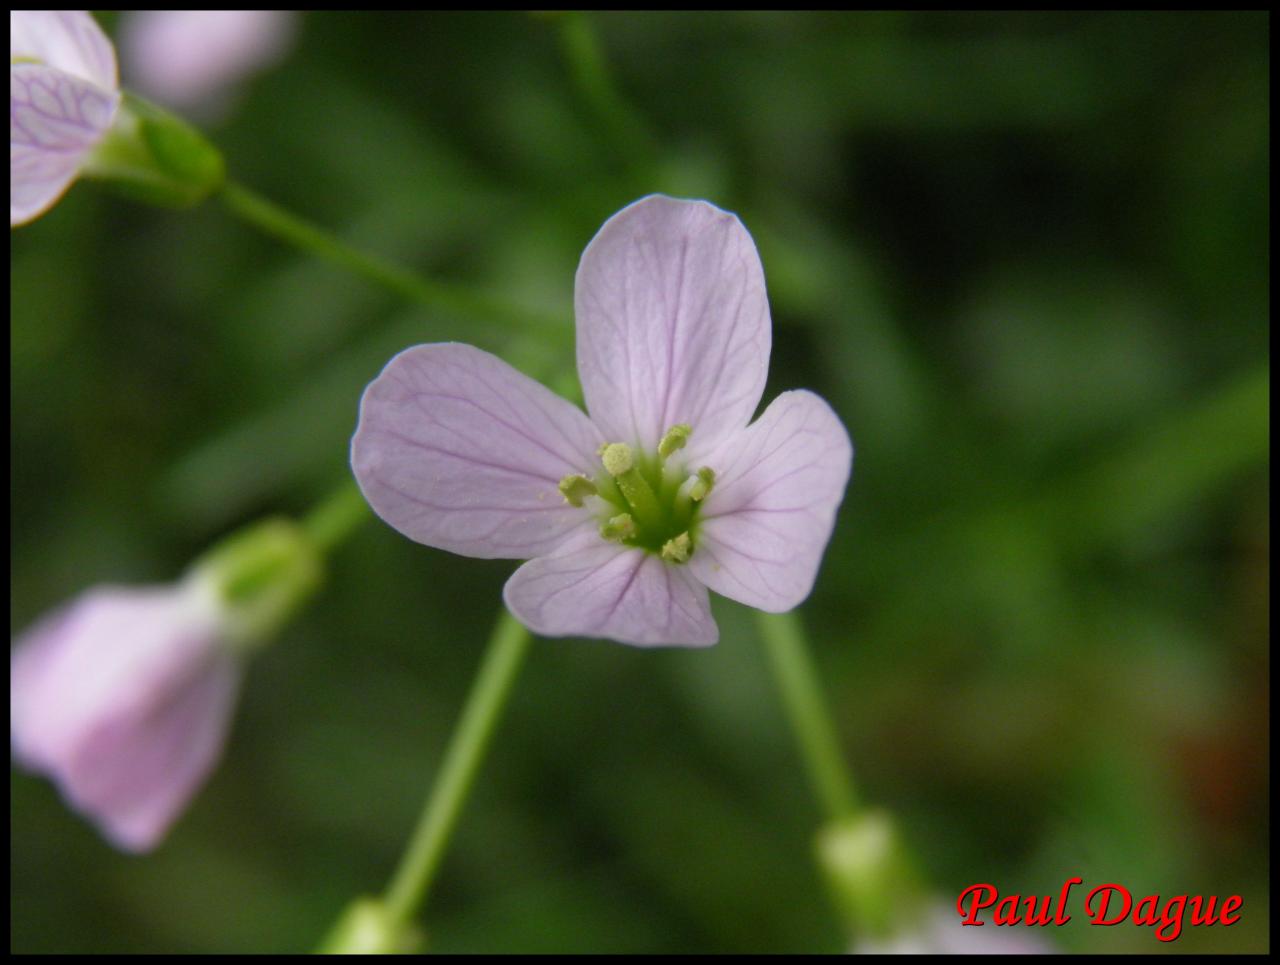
{"type": "Point", "coordinates": [619, 462]}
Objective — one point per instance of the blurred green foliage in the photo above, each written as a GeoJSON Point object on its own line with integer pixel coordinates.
{"type": "Point", "coordinates": [1025, 256]}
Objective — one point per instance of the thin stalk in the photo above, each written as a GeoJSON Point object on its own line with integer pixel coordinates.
{"type": "Point", "coordinates": [807, 711]}
{"type": "Point", "coordinates": [337, 517]}
{"type": "Point", "coordinates": [503, 657]}
{"type": "Point", "coordinates": [271, 218]}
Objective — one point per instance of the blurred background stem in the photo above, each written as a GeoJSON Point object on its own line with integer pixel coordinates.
{"type": "Point", "coordinates": [269, 217]}
{"type": "Point", "coordinates": [623, 128]}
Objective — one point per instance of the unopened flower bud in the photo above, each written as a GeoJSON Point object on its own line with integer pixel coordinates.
{"type": "Point", "coordinates": [124, 696]}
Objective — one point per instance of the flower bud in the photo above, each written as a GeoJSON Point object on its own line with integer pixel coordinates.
{"type": "Point", "coordinates": [196, 59]}
{"type": "Point", "coordinates": [124, 696]}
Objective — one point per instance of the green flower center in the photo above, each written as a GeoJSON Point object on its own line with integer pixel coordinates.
{"type": "Point", "coordinates": [648, 500]}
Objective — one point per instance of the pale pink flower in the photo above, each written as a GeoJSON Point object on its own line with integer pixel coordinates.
{"type": "Point", "coordinates": [123, 698]}
{"type": "Point", "coordinates": [629, 516]}
{"type": "Point", "coordinates": [196, 58]}
{"type": "Point", "coordinates": [63, 97]}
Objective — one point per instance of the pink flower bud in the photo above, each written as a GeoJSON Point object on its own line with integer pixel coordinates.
{"type": "Point", "coordinates": [195, 58]}
{"type": "Point", "coordinates": [123, 697]}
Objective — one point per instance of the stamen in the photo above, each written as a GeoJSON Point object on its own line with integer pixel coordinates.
{"type": "Point", "coordinates": [657, 498]}
{"type": "Point", "coordinates": [674, 439]}
{"type": "Point", "coordinates": [575, 488]}
{"type": "Point", "coordinates": [677, 550]}
{"type": "Point", "coordinates": [617, 458]}
{"type": "Point", "coordinates": [618, 528]}
{"type": "Point", "coordinates": [706, 478]}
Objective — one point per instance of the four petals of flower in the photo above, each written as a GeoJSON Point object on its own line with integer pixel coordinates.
{"type": "Point", "coordinates": [629, 516]}
{"type": "Point", "coordinates": [63, 97]}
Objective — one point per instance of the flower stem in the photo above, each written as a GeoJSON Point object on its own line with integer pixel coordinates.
{"type": "Point", "coordinates": [503, 656]}
{"type": "Point", "coordinates": [334, 519]}
{"type": "Point", "coordinates": [815, 732]}
{"type": "Point", "coordinates": [269, 217]}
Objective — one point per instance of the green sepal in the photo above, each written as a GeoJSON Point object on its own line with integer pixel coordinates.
{"type": "Point", "coordinates": [154, 156]}
{"type": "Point", "coordinates": [263, 574]}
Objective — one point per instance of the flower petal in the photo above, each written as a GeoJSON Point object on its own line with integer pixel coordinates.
{"type": "Point", "coordinates": [135, 774]}
{"type": "Point", "coordinates": [673, 323]}
{"type": "Point", "coordinates": [592, 588]}
{"type": "Point", "coordinates": [769, 516]}
{"type": "Point", "coordinates": [458, 450]}
{"type": "Point", "coordinates": [113, 646]}
{"type": "Point", "coordinates": [68, 40]}
{"type": "Point", "coordinates": [54, 121]}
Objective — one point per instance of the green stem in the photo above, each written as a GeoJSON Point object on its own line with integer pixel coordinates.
{"type": "Point", "coordinates": [334, 519]}
{"type": "Point", "coordinates": [788, 650]}
{"type": "Point", "coordinates": [505, 653]}
{"type": "Point", "coordinates": [274, 220]}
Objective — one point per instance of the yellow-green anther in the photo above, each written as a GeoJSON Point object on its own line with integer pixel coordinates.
{"type": "Point", "coordinates": [619, 528]}
{"type": "Point", "coordinates": [705, 479]}
{"type": "Point", "coordinates": [22, 59]}
{"type": "Point", "coordinates": [576, 488]}
{"type": "Point", "coordinates": [675, 439]}
{"type": "Point", "coordinates": [677, 550]}
{"type": "Point", "coordinates": [617, 458]}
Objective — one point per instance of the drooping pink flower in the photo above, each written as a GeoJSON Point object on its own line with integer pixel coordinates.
{"type": "Point", "coordinates": [63, 97]}
{"type": "Point", "coordinates": [123, 698]}
{"type": "Point", "coordinates": [194, 58]}
{"type": "Point", "coordinates": [628, 517]}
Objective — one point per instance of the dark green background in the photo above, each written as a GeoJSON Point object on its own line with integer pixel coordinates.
{"type": "Point", "coordinates": [1024, 256]}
